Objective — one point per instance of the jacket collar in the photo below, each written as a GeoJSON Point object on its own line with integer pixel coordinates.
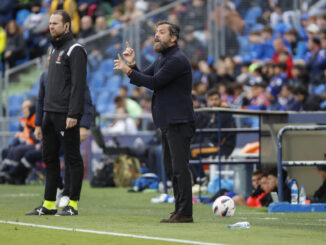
{"type": "Point", "coordinates": [59, 42]}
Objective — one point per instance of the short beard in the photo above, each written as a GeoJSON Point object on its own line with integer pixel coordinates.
{"type": "Point", "coordinates": [159, 47]}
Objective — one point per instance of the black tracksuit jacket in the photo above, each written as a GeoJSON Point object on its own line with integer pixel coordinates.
{"type": "Point", "coordinates": [66, 78]}
{"type": "Point", "coordinates": [89, 111]}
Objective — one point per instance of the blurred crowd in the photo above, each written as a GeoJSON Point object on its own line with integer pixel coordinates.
{"type": "Point", "coordinates": [24, 23]}
{"type": "Point", "coordinates": [274, 57]}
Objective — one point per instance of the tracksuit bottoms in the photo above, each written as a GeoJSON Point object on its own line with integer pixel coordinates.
{"type": "Point", "coordinates": [55, 136]}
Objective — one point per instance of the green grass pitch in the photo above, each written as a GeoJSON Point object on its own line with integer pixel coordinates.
{"type": "Point", "coordinates": [115, 210]}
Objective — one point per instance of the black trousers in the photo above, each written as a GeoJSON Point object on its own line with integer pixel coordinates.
{"type": "Point", "coordinates": [54, 136]}
{"type": "Point", "coordinates": [176, 152]}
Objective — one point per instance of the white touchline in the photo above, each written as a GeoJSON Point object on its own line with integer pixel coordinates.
{"type": "Point", "coordinates": [109, 233]}
{"type": "Point", "coordinates": [20, 195]}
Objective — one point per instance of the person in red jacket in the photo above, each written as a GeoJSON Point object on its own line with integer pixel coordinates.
{"type": "Point", "coordinates": [279, 47]}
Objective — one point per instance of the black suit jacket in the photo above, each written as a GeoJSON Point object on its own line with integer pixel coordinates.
{"type": "Point", "coordinates": [170, 77]}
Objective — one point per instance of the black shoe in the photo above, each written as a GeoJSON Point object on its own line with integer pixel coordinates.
{"type": "Point", "coordinates": [178, 218]}
{"type": "Point", "coordinates": [67, 211]}
{"type": "Point", "coordinates": [42, 211]}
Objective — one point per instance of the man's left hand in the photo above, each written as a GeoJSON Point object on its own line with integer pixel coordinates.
{"type": "Point", "coordinates": [83, 134]}
{"type": "Point", "coordinates": [71, 122]}
{"type": "Point", "coordinates": [119, 64]}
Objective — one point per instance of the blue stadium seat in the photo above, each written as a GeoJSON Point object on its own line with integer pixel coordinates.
{"type": "Point", "coordinates": [21, 16]}
{"type": "Point", "coordinates": [106, 67]}
{"type": "Point", "coordinates": [252, 15]}
{"type": "Point", "coordinates": [113, 84]}
{"type": "Point", "coordinates": [98, 80]}
{"type": "Point", "coordinates": [14, 126]}
{"type": "Point", "coordinates": [244, 47]}
{"type": "Point", "coordinates": [111, 51]}
{"type": "Point", "coordinates": [14, 103]}
{"type": "Point", "coordinates": [33, 92]}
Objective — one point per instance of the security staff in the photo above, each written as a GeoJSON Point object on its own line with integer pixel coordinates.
{"type": "Point", "coordinates": [63, 107]}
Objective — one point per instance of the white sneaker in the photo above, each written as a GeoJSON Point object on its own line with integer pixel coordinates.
{"type": "Point", "coordinates": [160, 198]}
{"type": "Point", "coordinates": [64, 201]}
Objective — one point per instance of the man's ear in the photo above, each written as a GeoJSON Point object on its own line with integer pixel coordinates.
{"type": "Point", "coordinates": [174, 39]}
{"type": "Point", "coordinates": [66, 27]}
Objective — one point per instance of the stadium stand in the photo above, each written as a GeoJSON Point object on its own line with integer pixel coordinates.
{"type": "Point", "coordinates": [236, 46]}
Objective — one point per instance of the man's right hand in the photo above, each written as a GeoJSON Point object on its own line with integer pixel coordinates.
{"type": "Point", "coordinates": [38, 133]}
{"type": "Point", "coordinates": [129, 55]}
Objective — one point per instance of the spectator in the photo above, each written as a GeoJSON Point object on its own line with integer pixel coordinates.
{"type": "Point", "coordinates": [276, 16]}
{"type": "Point", "coordinates": [208, 143]}
{"type": "Point", "coordinates": [2, 40]}
{"type": "Point", "coordinates": [195, 15]}
{"type": "Point", "coordinates": [15, 45]}
{"type": "Point", "coordinates": [6, 10]}
{"type": "Point", "coordinates": [199, 89]}
{"type": "Point", "coordinates": [146, 104]}
{"type": "Point", "coordinates": [266, 34]}
{"type": "Point", "coordinates": [244, 75]}
{"type": "Point", "coordinates": [118, 17]}
{"type": "Point", "coordinates": [256, 47]}
{"type": "Point", "coordinates": [122, 124]}
{"type": "Point", "coordinates": [279, 46]}
{"type": "Point", "coordinates": [15, 167]}
{"type": "Point", "coordinates": [320, 194]}
{"type": "Point", "coordinates": [131, 12]}
{"type": "Point", "coordinates": [254, 199]}
{"type": "Point", "coordinates": [70, 6]}
{"type": "Point", "coordinates": [312, 30]}
{"type": "Point", "coordinates": [321, 22]}
{"type": "Point", "coordinates": [87, 28]}
{"type": "Point", "coordinates": [286, 99]}
{"type": "Point", "coordinates": [223, 67]}
{"type": "Point", "coordinates": [306, 102]}
{"type": "Point", "coordinates": [300, 76]}
{"type": "Point", "coordinates": [25, 136]}
{"type": "Point", "coordinates": [36, 25]}
{"type": "Point", "coordinates": [132, 107]}
{"type": "Point", "coordinates": [273, 187]}
{"type": "Point", "coordinates": [311, 57]}
{"type": "Point", "coordinates": [304, 22]}
{"type": "Point", "coordinates": [100, 24]}
{"type": "Point", "coordinates": [208, 70]}
{"type": "Point", "coordinates": [256, 75]}
{"type": "Point", "coordinates": [321, 60]}
{"type": "Point", "coordinates": [257, 98]}
{"type": "Point", "coordinates": [296, 47]}
{"type": "Point", "coordinates": [193, 49]}
{"type": "Point", "coordinates": [234, 26]}
{"type": "Point", "coordinates": [276, 83]}
{"type": "Point", "coordinates": [87, 7]}
{"type": "Point", "coordinates": [238, 96]}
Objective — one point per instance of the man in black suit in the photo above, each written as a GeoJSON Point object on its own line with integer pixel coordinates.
{"type": "Point", "coordinates": [170, 78]}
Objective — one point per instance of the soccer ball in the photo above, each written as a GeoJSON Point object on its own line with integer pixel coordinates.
{"type": "Point", "coordinates": [223, 206]}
